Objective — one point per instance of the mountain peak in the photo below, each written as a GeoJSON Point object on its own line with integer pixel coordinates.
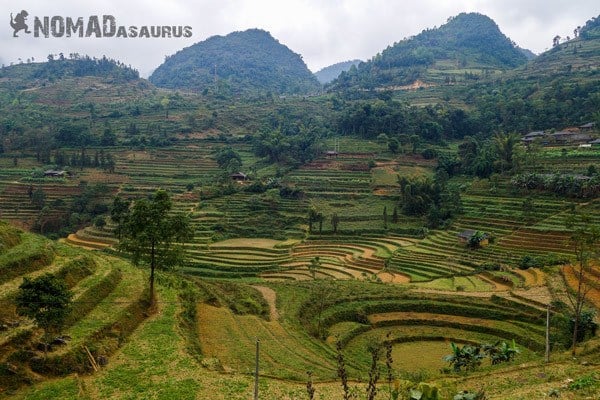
{"type": "Point", "coordinates": [465, 42]}
{"type": "Point", "coordinates": [242, 61]}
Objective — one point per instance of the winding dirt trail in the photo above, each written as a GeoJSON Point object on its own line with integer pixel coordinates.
{"type": "Point", "coordinates": [271, 298]}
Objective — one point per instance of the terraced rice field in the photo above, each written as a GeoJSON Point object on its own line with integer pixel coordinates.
{"type": "Point", "coordinates": [591, 282]}
{"type": "Point", "coordinates": [232, 340]}
{"type": "Point", "coordinates": [461, 320]}
{"type": "Point", "coordinates": [106, 294]}
{"type": "Point", "coordinates": [357, 259]}
{"type": "Point", "coordinates": [168, 169]}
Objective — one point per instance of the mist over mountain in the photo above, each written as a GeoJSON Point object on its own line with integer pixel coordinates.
{"type": "Point", "coordinates": [327, 74]}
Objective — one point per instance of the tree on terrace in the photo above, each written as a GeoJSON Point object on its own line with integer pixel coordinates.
{"type": "Point", "coordinates": [46, 300]}
{"type": "Point", "coordinates": [585, 241]}
{"type": "Point", "coordinates": [151, 234]}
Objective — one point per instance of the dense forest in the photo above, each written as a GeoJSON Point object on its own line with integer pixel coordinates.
{"type": "Point", "coordinates": [239, 62]}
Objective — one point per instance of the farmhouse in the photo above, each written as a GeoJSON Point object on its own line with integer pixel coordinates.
{"type": "Point", "coordinates": [239, 176]}
{"type": "Point", "coordinates": [55, 174]}
{"type": "Point", "coordinates": [331, 153]}
{"type": "Point", "coordinates": [466, 235]}
{"type": "Point", "coordinates": [568, 136]}
{"type": "Point", "coordinates": [588, 127]}
{"type": "Point", "coordinates": [535, 135]}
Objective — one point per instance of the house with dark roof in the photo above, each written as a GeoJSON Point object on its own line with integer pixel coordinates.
{"type": "Point", "coordinates": [239, 176]}
{"type": "Point", "coordinates": [50, 173]}
{"type": "Point", "coordinates": [566, 136]}
{"type": "Point", "coordinates": [466, 235]}
{"type": "Point", "coordinates": [535, 135]}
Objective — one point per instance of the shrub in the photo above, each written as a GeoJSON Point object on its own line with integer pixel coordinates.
{"type": "Point", "coordinates": [429, 153]}
{"type": "Point", "coordinates": [528, 261]}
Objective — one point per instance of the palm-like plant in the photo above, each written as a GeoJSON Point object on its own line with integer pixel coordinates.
{"type": "Point", "coordinates": [500, 352]}
{"type": "Point", "coordinates": [467, 357]}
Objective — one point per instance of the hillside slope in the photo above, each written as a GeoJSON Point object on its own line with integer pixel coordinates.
{"type": "Point", "coordinates": [465, 42]}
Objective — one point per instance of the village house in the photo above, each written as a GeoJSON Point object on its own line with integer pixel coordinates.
{"type": "Point", "coordinates": [239, 177]}
{"type": "Point", "coordinates": [569, 137]}
{"type": "Point", "coordinates": [50, 173]}
{"type": "Point", "coordinates": [535, 135]}
{"type": "Point", "coordinates": [466, 235]}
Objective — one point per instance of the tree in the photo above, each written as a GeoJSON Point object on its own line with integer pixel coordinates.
{"type": "Point", "coordinates": [507, 145]}
{"type": "Point", "coordinates": [45, 299]}
{"type": "Point", "coordinates": [320, 218]}
{"type": "Point", "coordinates": [227, 158]}
{"type": "Point", "coordinates": [312, 217]}
{"type": "Point", "coordinates": [555, 40]}
{"type": "Point", "coordinates": [118, 213]}
{"type": "Point", "coordinates": [165, 104]}
{"type": "Point", "coordinates": [38, 198]}
{"type": "Point", "coordinates": [335, 220]}
{"type": "Point", "coordinates": [150, 234]}
{"type": "Point", "coordinates": [393, 145]}
{"type": "Point", "coordinates": [527, 208]}
{"type": "Point", "coordinates": [385, 217]}
{"type": "Point", "coordinates": [395, 218]}
{"type": "Point", "coordinates": [313, 267]}
{"type": "Point", "coordinates": [585, 241]}
{"type": "Point", "coordinates": [99, 222]}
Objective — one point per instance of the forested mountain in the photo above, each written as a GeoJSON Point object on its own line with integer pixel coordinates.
{"type": "Point", "coordinates": [466, 42]}
{"type": "Point", "coordinates": [327, 74]}
{"type": "Point", "coordinates": [247, 61]}
{"type": "Point", "coordinates": [74, 65]}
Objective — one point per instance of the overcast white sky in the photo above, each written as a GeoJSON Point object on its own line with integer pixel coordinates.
{"type": "Point", "coordinates": [322, 31]}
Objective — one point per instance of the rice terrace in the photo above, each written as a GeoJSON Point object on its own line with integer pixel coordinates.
{"type": "Point", "coordinates": [365, 239]}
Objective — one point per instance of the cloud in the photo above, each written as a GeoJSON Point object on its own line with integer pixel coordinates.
{"type": "Point", "coordinates": [323, 32]}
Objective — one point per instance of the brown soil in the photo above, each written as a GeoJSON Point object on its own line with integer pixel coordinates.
{"type": "Point", "coordinates": [593, 295]}
{"type": "Point", "coordinates": [271, 298]}
{"type": "Point", "coordinates": [389, 277]}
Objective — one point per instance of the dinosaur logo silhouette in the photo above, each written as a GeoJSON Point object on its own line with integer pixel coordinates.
{"type": "Point", "coordinates": [18, 22]}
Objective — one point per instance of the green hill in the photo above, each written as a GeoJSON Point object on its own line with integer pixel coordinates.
{"type": "Point", "coordinates": [74, 66]}
{"type": "Point", "coordinates": [327, 74]}
{"type": "Point", "coordinates": [465, 43]}
{"type": "Point", "coordinates": [248, 61]}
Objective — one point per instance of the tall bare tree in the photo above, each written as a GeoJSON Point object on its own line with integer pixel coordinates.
{"type": "Point", "coordinates": [585, 242]}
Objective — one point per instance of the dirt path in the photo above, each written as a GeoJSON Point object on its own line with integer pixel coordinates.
{"type": "Point", "coordinates": [271, 298]}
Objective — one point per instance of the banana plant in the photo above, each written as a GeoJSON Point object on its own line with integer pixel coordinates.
{"type": "Point", "coordinates": [465, 358]}
{"type": "Point", "coordinates": [501, 352]}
